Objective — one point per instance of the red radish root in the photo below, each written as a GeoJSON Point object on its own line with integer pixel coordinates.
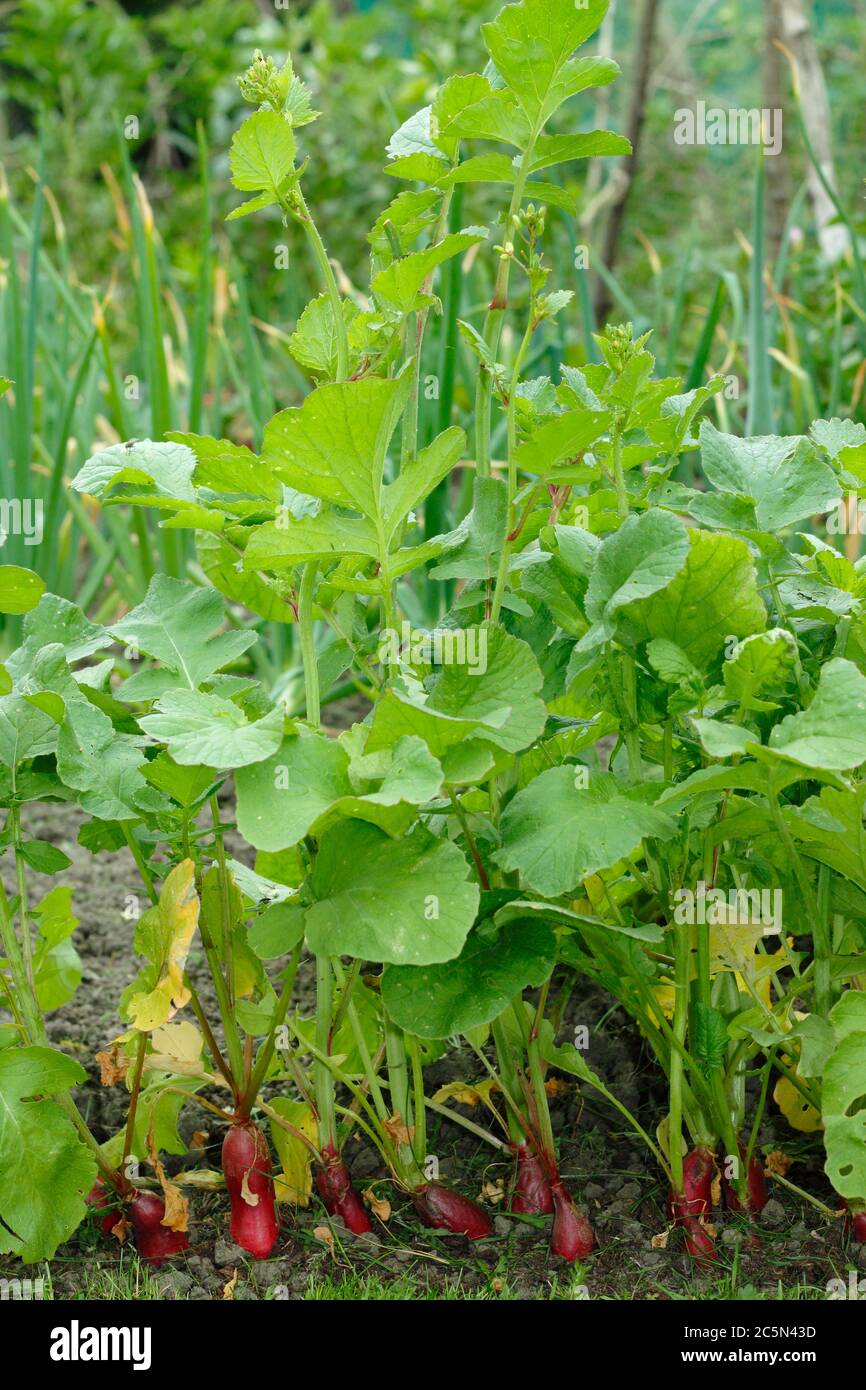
{"type": "Point", "coordinates": [106, 1203]}
{"type": "Point", "coordinates": [246, 1163]}
{"type": "Point", "coordinates": [446, 1210]}
{"type": "Point", "coordinates": [154, 1242]}
{"type": "Point", "coordinates": [334, 1182]}
{"type": "Point", "coordinates": [532, 1195]}
{"type": "Point", "coordinates": [855, 1224]}
{"type": "Point", "coordinates": [572, 1237]}
{"type": "Point", "coordinates": [688, 1208]}
{"type": "Point", "coordinates": [757, 1194]}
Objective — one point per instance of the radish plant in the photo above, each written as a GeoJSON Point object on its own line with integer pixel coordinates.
{"type": "Point", "coordinates": [629, 750]}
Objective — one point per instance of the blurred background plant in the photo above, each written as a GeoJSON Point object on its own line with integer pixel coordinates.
{"type": "Point", "coordinates": [128, 307]}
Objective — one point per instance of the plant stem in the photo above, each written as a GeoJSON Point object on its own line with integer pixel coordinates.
{"type": "Point", "coordinates": [682, 956]}
{"type": "Point", "coordinates": [401, 1102]}
{"type": "Point", "coordinates": [140, 862]}
{"type": "Point", "coordinates": [504, 558]}
{"type": "Point", "coordinates": [278, 1018]}
{"type": "Point", "coordinates": [307, 635]}
{"type": "Point", "coordinates": [133, 1099]}
{"type": "Point", "coordinates": [324, 1080]}
{"type": "Point", "coordinates": [341, 336]}
{"type": "Point", "coordinates": [495, 318]}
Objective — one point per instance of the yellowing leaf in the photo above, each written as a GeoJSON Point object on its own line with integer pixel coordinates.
{"type": "Point", "coordinates": [555, 1086]}
{"type": "Point", "coordinates": [398, 1130]}
{"type": "Point", "coordinates": [176, 1216]}
{"type": "Point", "coordinates": [182, 1042]}
{"type": "Point", "coordinates": [380, 1206]}
{"type": "Point", "coordinates": [113, 1065]}
{"type": "Point", "coordinates": [325, 1235]}
{"type": "Point", "coordinates": [295, 1183]}
{"type": "Point", "coordinates": [493, 1192]}
{"type": "Point", "coordinates": [178, 1048]}
{"type": "Point", "coordinates": [665, 993]}
{"type": "Point", "coordinates": [595, 889]}
{"type": "Point", "coordinates": [229, 1288]}
{"type": "Point", "coordinates": [202, 1179]}
{"type": "Point", "coordinates": [164, 935]}
{"type": "Point", "coordinates": [777, 1162]}
{"type": "Point", "coordinates": [733, 942]}
{"type": "Point", "coordinates": [797, 1111]}
{"type": "Point", "coordinates": [466, 1093]}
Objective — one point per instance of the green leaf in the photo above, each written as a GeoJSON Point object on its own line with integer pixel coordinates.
{"type": "Point", "coordinates": [637, 561]}
{"type": "Point", "coordinates": [102, 765]}
{"type": "Point", "coordinates": [328, 535]}
{"type": "Point", "coordinates": [200, 728]}
{"type": "Point", "coordinates": [405, 217]}
{"type": "Point", "coordinates": [26, 731]}
{"type": "Point", "coordinates": [560, 440]}
{"type": "Point", "coordinates": [468, 108]}
{"type": "Point", "coordinates": [277, 930]}
{"type": "Point", "coordinates": [711, 1037]}
{"type": "Point", "coordinates": [831, 733]}
{"type": "Point", "coordinates": [401, 283]}
{"type": "Point", "coordinates": [261, 200]}
{"type": "Point", "coordinates": [306, 785]}
{"type": "Point", "coordinates": [531, 45]}
{"type": "Point", "coordinates": [783, 477]}
{"type": "Point", "coordinates": [673, 666]}
{"type": "Point", "coordinates": [281, 797]}
{"type": "Point", "coordinates": [56, 964]}
{"type": "Point", "coordinates": [45, 858]}
{"type": "Point", "coordinates": [561, 149]}
{"type": "Point", "coordinates": [473, 547]}
{"type": "Point", "coordinates": [262, 154]}
{"type": "Point", "coordinates": [501, 692]}
{"type": "Point", "coordinates": [762, 662]}
{"type": "Point", "coordinates": [334, 445]}
{"type": "Point", "coordinates": [20, 589]}
{"type": "Point", "coordinates": [173, 625]}
{"type": "Point", "coordinates": [220, 563]}
{"type": "Point", "coordinates": [830, 828]}
{"type": "Point", "coordinates": [314, 341]}
{"type": "Point", "coordinates": [498, 168]}
{"type": "Point", "coordinates": [843, 1103]}
{"type": "Point", "coordinates": [56, 621]}
{"type": "Point", "coordinates": [836, 436]}
{"type": "Point", "coordinates": [162, 470]}
{"type": "Point", "coordinates": [438, 1001]}
{"type": "Point", "coordinates": [227, 468]}
{"type": "Point", "coordinates": [848, 1014]}
{"type": "Point", "coordinates": [555, 833]}
{"type": "Point", "coordinates": [185, 785]}
{"type": "Point", "coordinates": [496, 700]}
{"type": "Point", "coordinates": [713, 597]}
{"type": "Point", "coordinates": [723, 740]}
{"type": "Point", "coordinates": [404, 902]}
{"type": "Point", "coordinates": [419, 477]}
{"type": "Point", "coordinates": [414, 137]}
{"type": "Point", "coordinates": [45, 1170]}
